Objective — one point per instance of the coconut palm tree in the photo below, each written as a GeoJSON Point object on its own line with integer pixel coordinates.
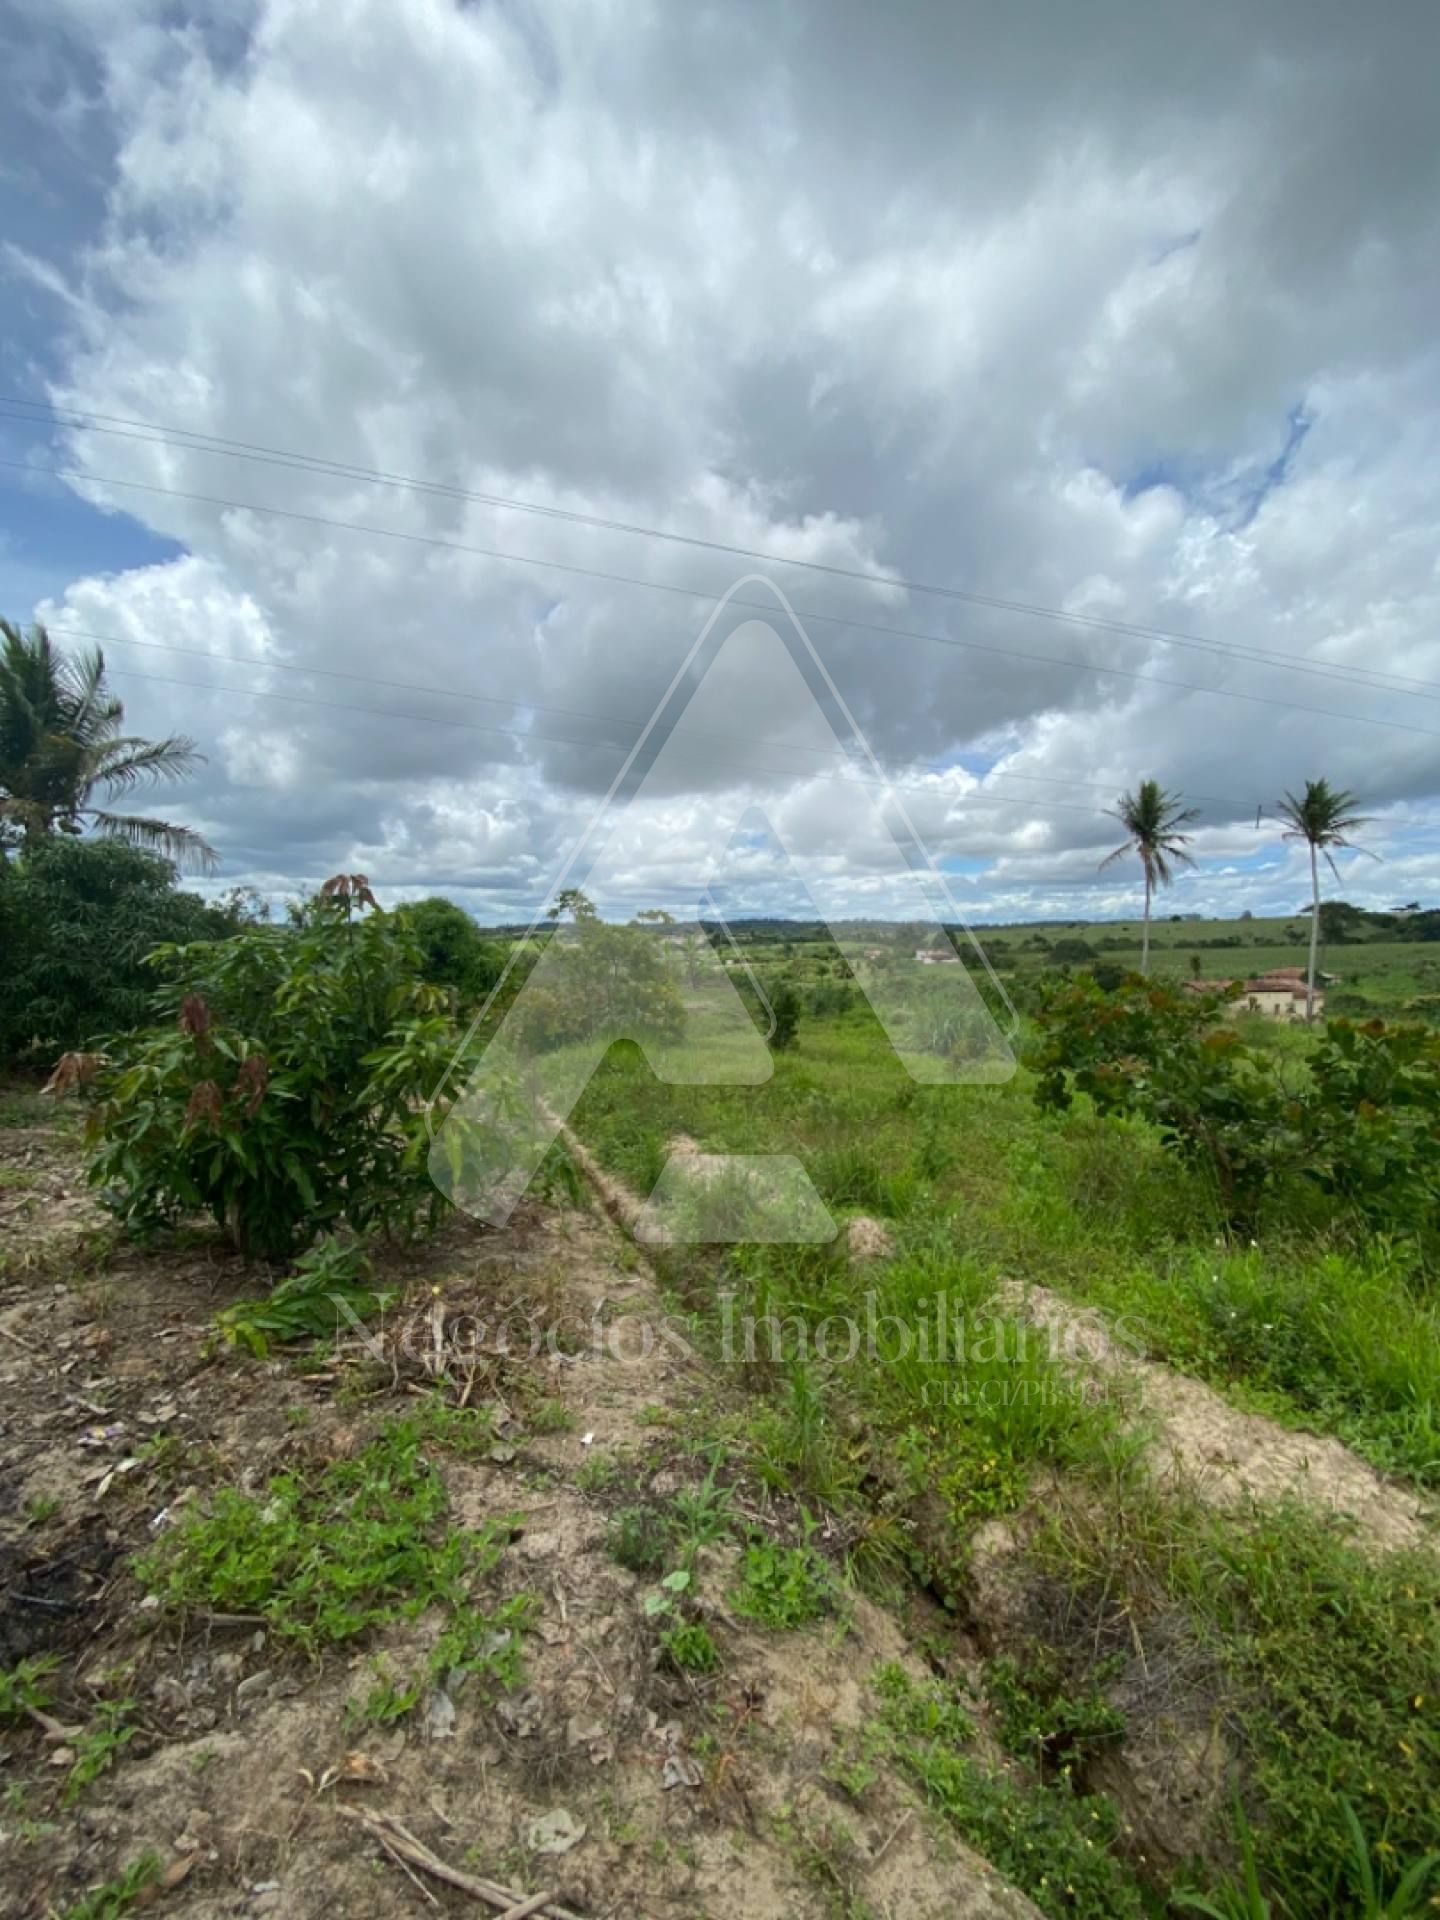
{"type": "Point", "coordinates": [61, 745]}
{"type": "Point", "coordinates": [1152, 819]}
{"type": "Point", "coordinates": [1324, 818]}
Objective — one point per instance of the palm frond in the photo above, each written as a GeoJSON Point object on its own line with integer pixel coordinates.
{"type": "Point", "coordinates": [127, 763]}
{"type": "Point", "coordinates": [183, 845]}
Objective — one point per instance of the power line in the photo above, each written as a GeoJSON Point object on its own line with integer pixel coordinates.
{"type": "Point", "coordinates": [695, 593]}
{"type": "Point", "coordinates": [186, 439]}
{"type": "Point", "coordinates": [573, 713]}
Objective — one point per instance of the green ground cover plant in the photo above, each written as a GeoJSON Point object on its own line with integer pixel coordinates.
{"type": "Point", "coordinates": [122, 1894]}
{"type": "Point", "coordinates": [1323, 1662]}
{"type": "Point", "coordinates": [327, 1557]}
{"type": "Point", "coordinates": [783, 1587]}
{"type": "Point", "coordinates": [1053, 1842]}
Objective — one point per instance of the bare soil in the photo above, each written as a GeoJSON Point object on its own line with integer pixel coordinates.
{"type": "Point", "coordinates": [694, 1796]}
{"type": "Point", "coordinates": [1224, 1455]}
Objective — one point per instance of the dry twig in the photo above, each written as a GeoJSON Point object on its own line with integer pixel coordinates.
{"type": "Point", "coordinates": [398, 1841]}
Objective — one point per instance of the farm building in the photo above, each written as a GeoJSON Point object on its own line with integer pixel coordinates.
{"type": "Point", "coordinates": [1280, 995]}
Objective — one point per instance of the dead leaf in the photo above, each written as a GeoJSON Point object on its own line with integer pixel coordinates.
{"type": "Point", "coordinates": [555, 1832]}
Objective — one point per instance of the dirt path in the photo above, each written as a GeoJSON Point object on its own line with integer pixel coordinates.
{"type": "Point", "coordinates": [696, 1797]}
{"type": "Point", "coordinates": [1225, 1455]}
{"type": "Point", "coordinates": [1220, 1452]}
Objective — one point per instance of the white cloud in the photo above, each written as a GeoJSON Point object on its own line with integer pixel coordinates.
{"type": "Point", "coordinates": [1018, 303]}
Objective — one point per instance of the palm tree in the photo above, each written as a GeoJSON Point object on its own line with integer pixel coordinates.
{"type": "Point", "coordinates": [1324, 819]}
{"type": "Point", "coordinates": [1152, 819]}
{"type": "Point", "coordinates": [60, 744]}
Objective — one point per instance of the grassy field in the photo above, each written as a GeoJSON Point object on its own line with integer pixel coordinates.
{"type": "Point", "coordinates": [1320, 1663]}
{"type": "Point", "coordinates": [1373, 970]}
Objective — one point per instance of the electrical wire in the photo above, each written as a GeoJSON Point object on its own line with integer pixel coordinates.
{"type": "Point", "coordinates": [187, 439]}
{"type": "Point", "coordinates": [694, 593]}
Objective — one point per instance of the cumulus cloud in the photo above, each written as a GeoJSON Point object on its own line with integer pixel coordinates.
{"type": "Point", "coordinates": [1096, 310]}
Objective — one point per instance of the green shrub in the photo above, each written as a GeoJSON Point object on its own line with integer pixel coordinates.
{"type": "Point", "coordinates": [1362, 1126]}
{"type": "Point", "coordinates": [453, 952]}
{"type": "Point", "coordinates": [785, 1010]}
{"type": "Point", "coordinates": [329, 1282]}
{"type": "Point", "coordinates": [284, 1094]}
{"type": "Point", "coordinates": [640, 1539]}
{"type": "Point", "coordinates": [77, 918]}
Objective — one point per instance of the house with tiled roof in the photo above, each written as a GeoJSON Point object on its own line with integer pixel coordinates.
{"type": "Point", "coordinates": [1279, 994]}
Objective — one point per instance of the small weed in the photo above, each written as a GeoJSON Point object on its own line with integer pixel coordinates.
{"type": "Point", "coordinates": [829, 1857]}
{"type": "Point", "coordinates": [783, 1587]}
{"type": "Point", "coordinates": [550, 1416]}
{"type": "Point", "coordinates": [661, 1603]}
{"type": "Point", "coordinates": [639, 1538]}
{"type": "Point", "coordinates": [118, 1896]}
{"type": "Point", "coordinates": [328, 1291]}
{"type": "Point", "coordinates": [97, 1746]}
{"type": "Point", "coordinates": [387, 1701]}
{"type": "Point", "coordinates": [596, 1474]}
{"type": "Point", "coordinates": [703, 1514]}
{"type": "Point", "coordinates": [44, 1507]}
{"type": "Point", "coordinates": [467, 1432]}
{"type": "Point", "coordinates": [853, 1768]}
{"type": "Point", "coordinates": [689, 1648]}
{"type": "Point", "coordinates": [25, 1687]}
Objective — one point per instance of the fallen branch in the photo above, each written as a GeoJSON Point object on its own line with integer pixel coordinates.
{"type": "Point", "coordinates": [398, 1841]}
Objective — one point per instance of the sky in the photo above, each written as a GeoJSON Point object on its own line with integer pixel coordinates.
{"type": "Point", "coordinates": [1111, 326]}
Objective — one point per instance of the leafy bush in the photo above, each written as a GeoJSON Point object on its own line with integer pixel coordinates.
{"type": "Point", "coordinates": [308, 1304]}
{"type": "Point", "coordinates": [77, 918]}
{"type": "Point", "coordinates": [785, 1007]}
{"type": "Point", "coordinates": [1363, 1126]}
{"type": "Point", "coordinates": [599, 980]}
{"type": "Point", "coordinates": [283, 1095]}
{"type": "Point", "coordinates": [1072, 953]}
{"type": "Point", "coordinates": [1148, 1050]}
{"type": "Point", "coordinates": [453, 952]}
